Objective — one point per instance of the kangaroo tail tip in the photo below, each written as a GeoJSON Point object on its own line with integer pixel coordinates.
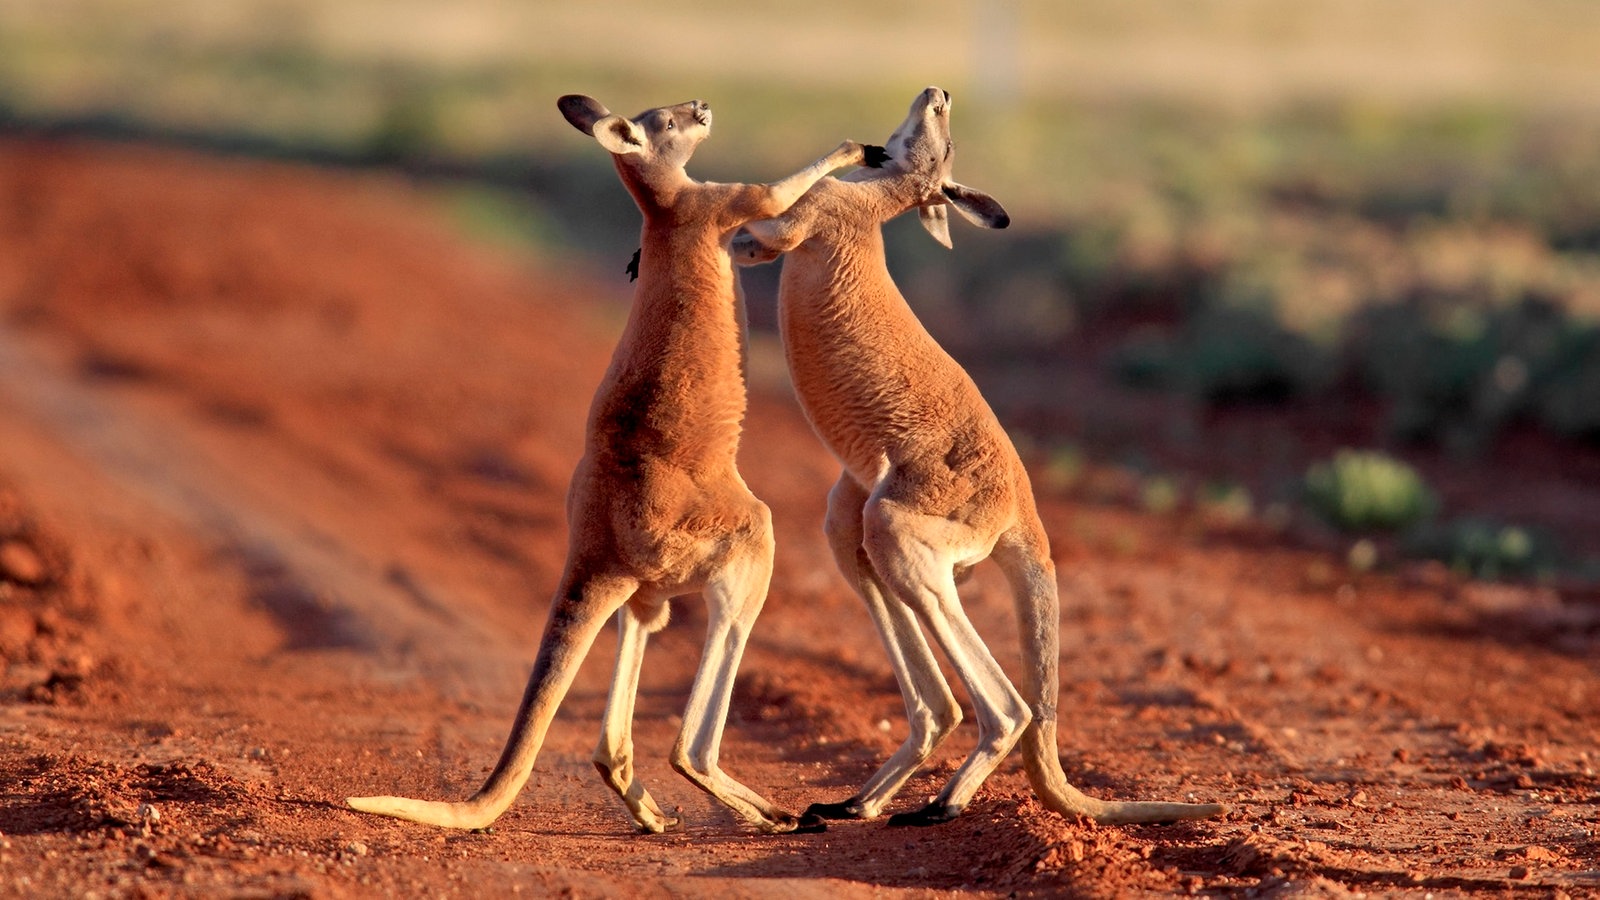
{"type": "Point", "coordinates": [369, 804]}
{"type": "Point", "coordinates": [465, 816]}
{"type": "Point", "coordinates": [1155, 813]}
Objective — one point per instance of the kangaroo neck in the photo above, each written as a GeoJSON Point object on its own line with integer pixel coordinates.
{"type": "Point", "coordinates": [838, 278]}
{"type": "Point", "coordinates": [842, 270]}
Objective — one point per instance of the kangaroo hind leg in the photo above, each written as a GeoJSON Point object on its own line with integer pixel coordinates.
{"type": "Point", "coordinates": [734, 596]}
{"type": "Point", "coordinates": [916, 555]}
{"type": "Point", "coordinates": [931, 708]}
{"type": "Point", "coordinates": [614, 755]}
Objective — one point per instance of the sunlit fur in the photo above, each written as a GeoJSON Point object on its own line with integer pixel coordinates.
{"type": "Point", "coordinates": [931, 483]}
{"type": "Point", "coordinates": [656, 508]}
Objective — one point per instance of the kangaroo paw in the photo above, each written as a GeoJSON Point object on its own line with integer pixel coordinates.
{"type": "Point", "coordinates": [934, 813]}
{"type": "Point", "coordinates": [844, 809]}
{"type": "Point", "coordinates": [810, 824]}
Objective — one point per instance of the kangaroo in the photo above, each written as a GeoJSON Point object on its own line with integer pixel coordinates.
{"type": "Point", "coordinates": [931, 484]}
{"type": "Point", "coordinates": [657, 508]}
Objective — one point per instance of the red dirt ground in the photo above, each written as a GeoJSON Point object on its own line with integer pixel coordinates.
{"type": "Point", "coordinates": [282, 463]}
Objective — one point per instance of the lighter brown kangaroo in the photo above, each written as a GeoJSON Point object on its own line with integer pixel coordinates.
{"type": "Point", "coordinates": [656, 508]}
{"type": "Point", "coordinates": [931, 484]}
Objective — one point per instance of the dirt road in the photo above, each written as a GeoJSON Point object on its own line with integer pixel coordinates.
{"type": "Point", "coordinates": [282, 462]}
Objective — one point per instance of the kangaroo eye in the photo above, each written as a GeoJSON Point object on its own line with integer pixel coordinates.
{"type": "Point", "coordinates": [671, 124]}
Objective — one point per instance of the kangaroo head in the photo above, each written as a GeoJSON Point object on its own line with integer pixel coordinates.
{"type": "Point", "coordinates": [655, 140]}
{"type": "Point", "coordinates": [921, 146]}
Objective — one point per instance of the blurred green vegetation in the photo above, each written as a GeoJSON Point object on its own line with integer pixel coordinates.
{"type": "Point", "coordinates": [1487, 549]}
{"type": "Point", "coordinates": [1446, 262]}
{"type": "Point", "coordinates": [1367, 490]}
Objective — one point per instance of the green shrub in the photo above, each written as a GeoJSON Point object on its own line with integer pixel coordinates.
{"type": "Point", "coordinates": [1367, 490]}
{"type": "Point", "coordinates": [1065, 468]}
{"type": "Point", "coordinates": [1148, 359]}
{"type": "Point", "coordinates": [1486, 549]}
{"type": "Point", "coordinates": [1226, 355]}
{"type": "Point", "coordinates": [407, 127]}
{"type": "Point", "coordinates": [1568, 398]}
{"type": "Point", "coordinates": [1238, 354]}
{"type": "Point", "coordinates": [1160, 494]}
{"type": "Point", "coordinates": [1450, 368]}
{"type": "Point", "coordinates": [1225, 502]}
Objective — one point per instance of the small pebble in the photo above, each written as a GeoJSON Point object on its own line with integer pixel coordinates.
{"type": "Point", "coordinates": [20, 563]}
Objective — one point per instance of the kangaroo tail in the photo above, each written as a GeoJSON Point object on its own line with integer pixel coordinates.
{"type": "Point", "coordinates": [576, 617]}
{"type": "Point", "coordinates": [1025, 556]}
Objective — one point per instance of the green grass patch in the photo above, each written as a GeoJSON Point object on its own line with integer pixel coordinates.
{"type": "Point", "coordinates": [1363, 490]}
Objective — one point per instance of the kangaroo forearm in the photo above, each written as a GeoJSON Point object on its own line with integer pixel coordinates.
{"type": "Point", "coordinates": [775, 198]}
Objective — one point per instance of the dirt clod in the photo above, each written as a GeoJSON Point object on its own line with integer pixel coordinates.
{"type": "Point", "coordinates": [21, 564]}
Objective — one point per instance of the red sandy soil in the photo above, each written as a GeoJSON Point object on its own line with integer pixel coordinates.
{"type": "Point", "coordinates": [282, 462]}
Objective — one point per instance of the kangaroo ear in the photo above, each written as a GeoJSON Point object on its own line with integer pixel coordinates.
{"type": "Point", "coordinates": [619, 135]}
{"type": "Point", "coordinates": [582, 111]}
{"type": "Point", "coordinates": [976, 207]}
{"type": "Point", "coordinates": [936, 221]}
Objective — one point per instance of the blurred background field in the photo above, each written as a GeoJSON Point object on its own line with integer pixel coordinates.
{"type": "Point", "coordinates": [1278, 228]}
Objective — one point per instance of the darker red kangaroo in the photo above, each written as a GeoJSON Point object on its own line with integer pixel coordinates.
{"type": "Point", "coordinates": [656, 508]}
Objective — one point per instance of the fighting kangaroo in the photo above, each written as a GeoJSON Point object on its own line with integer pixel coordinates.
{"type": "Point", "coordinates": [931, 483]}
{"type": "Point", "coordinates": [656, 508]}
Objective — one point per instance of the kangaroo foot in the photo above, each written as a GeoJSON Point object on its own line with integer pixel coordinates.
{"type": "Point", "coordinates": [934, 813]}
{"type": "Point", "coordinates": [844, 809]}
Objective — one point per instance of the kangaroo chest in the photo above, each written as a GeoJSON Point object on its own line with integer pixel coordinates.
{"type": "Point", "coordinates": [871, 381]}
